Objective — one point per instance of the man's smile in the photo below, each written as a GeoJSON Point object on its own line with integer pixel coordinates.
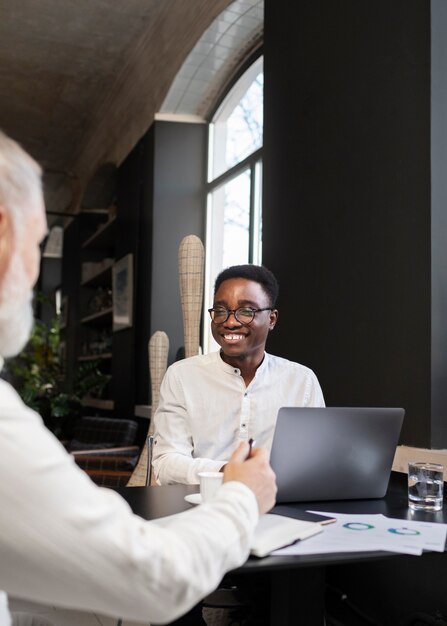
{"type": "Point", "coordinates": [233, 337]}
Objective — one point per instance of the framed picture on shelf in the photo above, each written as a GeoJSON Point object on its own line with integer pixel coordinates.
{"type": "Point", "coordinates": [122, 286]}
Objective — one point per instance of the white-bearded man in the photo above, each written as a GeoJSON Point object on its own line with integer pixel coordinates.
{"type": "Point", "coordinates": [63, 540]}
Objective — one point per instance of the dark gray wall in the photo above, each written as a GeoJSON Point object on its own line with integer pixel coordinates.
{"type": "Point", "coordinates": [347, 198]}
{"type": "Point", "coordinates": [439, 221]}
{"type": "Point", "coordinates": [178, 210]}
{"type": "Point", "coordinates": [160, 199]}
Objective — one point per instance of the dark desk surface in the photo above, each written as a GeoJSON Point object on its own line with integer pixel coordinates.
{"type": "Point", "coordinates": [155, 502]}
{"type": "Point", "coordinates": [297, 583]}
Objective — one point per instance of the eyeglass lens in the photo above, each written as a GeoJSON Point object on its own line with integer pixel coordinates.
{"type": "Point", "coordinates": [244, 315]}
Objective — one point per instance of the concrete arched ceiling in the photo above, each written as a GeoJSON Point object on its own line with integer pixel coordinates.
{"type": "Point", "coordinates": [81, 82]}
{"type": "Point", "coordinates": [215, 58]}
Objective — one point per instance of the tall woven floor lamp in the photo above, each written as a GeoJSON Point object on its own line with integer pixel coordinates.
{"type": "Point", "coordinates": [191, 257]}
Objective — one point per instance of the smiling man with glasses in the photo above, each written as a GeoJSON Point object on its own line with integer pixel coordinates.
{"type": "Point", "coordinates": [209, 403]}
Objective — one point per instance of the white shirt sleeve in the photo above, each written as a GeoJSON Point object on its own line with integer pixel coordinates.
{"type": "Point", "coordinates": [66, 542]}
{"type": "Point", "coordinates": [313, 394]}
{"type": "Point", "coordinates": [173, 459]}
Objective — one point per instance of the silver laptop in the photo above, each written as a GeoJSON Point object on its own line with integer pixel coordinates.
{"type": "Point", "coordinates": [334, 453]}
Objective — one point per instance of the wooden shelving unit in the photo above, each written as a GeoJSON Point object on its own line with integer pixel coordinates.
{"type": "Point", "coordinates": [100, 359]}
{"type": "Point", "coordinates": [97, 252]}
{"type": "Point", "coordinates": [102, 317]}
{"type": "Point", "coordinates": [100, 278]}
{"type": "Point", "coordinates": [104, 237]}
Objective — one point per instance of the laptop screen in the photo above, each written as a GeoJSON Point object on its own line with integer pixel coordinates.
{"type": "Point", "coordinates": [334, 453]}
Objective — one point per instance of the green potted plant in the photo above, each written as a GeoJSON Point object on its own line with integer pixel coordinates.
{"type": "Point", "coordinates": [37, 373]}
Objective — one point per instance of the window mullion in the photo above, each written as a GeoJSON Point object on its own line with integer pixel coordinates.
{"type": "Point", "coordinates": [251, 228]}
{"type": "Point", "coordinates": [250, 161]}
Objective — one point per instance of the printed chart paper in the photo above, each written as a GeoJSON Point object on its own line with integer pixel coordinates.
{"type": "Point", "coordinates": [366, 533]}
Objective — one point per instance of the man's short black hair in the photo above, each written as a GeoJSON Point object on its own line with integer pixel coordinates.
{"type": "Point", "coordinates": [257, 273]}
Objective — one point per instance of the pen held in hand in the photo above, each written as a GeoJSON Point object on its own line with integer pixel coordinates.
{"type": "Point", "coordinates": [251, 443]}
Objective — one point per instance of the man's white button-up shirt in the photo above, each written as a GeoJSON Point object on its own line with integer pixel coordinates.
{"type": "Point", "coordinates": [205, 410]}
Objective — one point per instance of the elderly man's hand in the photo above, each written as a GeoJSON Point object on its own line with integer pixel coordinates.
{"type": "Point", "coordinates": [255, 472]}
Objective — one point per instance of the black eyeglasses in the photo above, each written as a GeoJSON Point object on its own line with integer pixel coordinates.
{"type": "Point", "coordinates": [244, 314]}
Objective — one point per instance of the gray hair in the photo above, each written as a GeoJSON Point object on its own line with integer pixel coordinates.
{"type": "Point", "coordinates": [20, 180]}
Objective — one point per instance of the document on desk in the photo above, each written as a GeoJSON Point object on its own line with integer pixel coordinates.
{"type": "Point", "coordinates": [271, 532]}
{"type": "Point", "coordinates": [366, 533]}
{"type": "Point", "coordinates": [276, 531]}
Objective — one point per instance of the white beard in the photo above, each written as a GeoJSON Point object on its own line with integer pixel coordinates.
{"type": "Point", "coordinates": [16, 311]}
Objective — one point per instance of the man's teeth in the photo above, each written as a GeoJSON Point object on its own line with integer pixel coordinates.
{"type": "Point", "coordinates": [233, 337]}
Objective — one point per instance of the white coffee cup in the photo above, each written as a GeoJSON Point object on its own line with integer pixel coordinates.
{"type": "Point", "coordinates": [209, 484]}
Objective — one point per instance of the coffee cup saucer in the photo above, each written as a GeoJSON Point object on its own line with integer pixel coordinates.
{"type": "Point", "coordinates": [194, 498]}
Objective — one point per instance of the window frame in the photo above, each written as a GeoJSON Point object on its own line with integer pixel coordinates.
{"type": "Point", "coordinates": [254, 164]}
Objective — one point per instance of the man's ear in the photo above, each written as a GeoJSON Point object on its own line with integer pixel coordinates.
{"type": "Point", "coordinates": [273, 318]}
{"type": "Point", "coordinates": [6, 238]}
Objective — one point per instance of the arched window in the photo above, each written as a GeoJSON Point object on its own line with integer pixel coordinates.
{"type": "Point", "coordinates": [234, 217]}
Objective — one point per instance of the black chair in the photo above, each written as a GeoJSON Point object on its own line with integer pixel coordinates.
{"type": "Point", "coordinates": [105, 449]}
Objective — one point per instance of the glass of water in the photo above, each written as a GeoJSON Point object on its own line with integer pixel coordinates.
{"type": "Point", "coordinates": [425, 486]}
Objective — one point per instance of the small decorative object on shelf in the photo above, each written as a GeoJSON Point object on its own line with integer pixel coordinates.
{"type": "Point", "coordinates": [101, 343]}
{"type": "Point", "coordinates": [102, 300]}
